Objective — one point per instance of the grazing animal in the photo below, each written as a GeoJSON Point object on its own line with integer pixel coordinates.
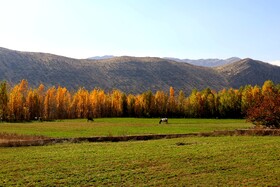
{"type": "Point", "coordinates": [163, 120]}
{"type": "Point", "coordinates": [90, 119]}
{"type": "Point", "coordinates": [38, 119]}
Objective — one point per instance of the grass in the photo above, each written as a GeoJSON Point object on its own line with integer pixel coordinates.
{"type": "Point", "coordinates": [120, 127]}
{"type": "Point", "coordinates": [192, 161]}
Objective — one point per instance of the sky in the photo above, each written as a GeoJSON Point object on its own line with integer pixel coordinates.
{"type": "Point", "coordinates": [193, 29]}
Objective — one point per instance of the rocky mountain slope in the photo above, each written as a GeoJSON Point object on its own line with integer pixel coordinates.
{"type": "Point", "coordinates": [249, 71]}
{"type": "Point", "coordinates": [129, 74]}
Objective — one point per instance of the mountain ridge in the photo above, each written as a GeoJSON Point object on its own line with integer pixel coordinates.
{"type": "Point", "coordinates": [249, 71]}
{"type": "Point", "coordinates": [211, 62]}
{"type": "Point", "coordinates": [101, 57]}
{"type": "Point", "coordinates": [128, 74]}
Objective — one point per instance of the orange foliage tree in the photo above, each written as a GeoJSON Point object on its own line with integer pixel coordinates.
{"type": "Point", "coordinates": [16, 103]}
{"type": "Point", "coordinates": [265, 109]}
{"type": "Point", "coordinates": [261, 105]}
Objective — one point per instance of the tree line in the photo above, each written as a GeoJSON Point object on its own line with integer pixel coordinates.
{"type": "Point", "coordinates": [22, 103]}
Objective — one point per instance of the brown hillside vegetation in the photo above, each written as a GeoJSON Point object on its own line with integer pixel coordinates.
{"type": "Point", "coordinates": [248, 71]}
{"type": "Point", "coordinates": [129, 74]}
{"type": "Point", "coordinates": [134, 74]}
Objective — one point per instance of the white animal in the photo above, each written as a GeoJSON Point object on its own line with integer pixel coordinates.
{"type": "Point", "coordinates": [163, 120]}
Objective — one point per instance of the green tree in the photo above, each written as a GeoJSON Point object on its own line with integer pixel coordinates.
{"type": "Point", "coordinates": [3, 101]}
{"type": "Point", "coordinates": [131, 105]}
{"type": "Point", "coordinates": [230, 103]}
{"type": "Point", "coordinates": [148, 104]}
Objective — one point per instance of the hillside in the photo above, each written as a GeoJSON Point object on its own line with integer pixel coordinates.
{"type": "Point", "coordinates": [129, 74]}
{"type": "Point", "coordinates": [249, 71]}
{"type": "Point", "coordinates": [42, 68]}
{"type": "Point", "coordinates": [146, 73]}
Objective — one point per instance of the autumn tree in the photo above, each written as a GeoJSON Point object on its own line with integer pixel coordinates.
{"type": "Point", "coordinates": [81, 103]}
{"type": "Point", "coordinates": [14, 104]}
{"type": "Point", "coordinates": [33, 105]}
{"type": "Point", "coordinates": [247, 98]}
{"type": "Point", "coordinates": [181, 103]}
{"type": "Point", "coordinates": [229, 103]}
{"type": "Point", "coordinates": [139, 106]}
{"type": "Point", "coordinates": [50, 104]}
{"type": "Point", "coordinates": [100, 103]}
{"type": "Point", "coordinates": [208, 104]}
{"type": "Point", "coordinates": [95, 106]}
{"type": "Point", "coordinates": [265, 110]}
{"type": "Point", "coordinates": [104, 104]}
{"type": "Point", "coordinates": [18, 111]}
{"type": "Point", "coordinates": [161, 100]}
{"type": "Point", "coordinates": [171, 104]}
{"type": "Point", "coordinates": [62, 102]}
{"type": "Point", "coordinates": [23, 87]}
{"type": "Point", "coordinates": [117, 103]}
{"type": "Point", "coordinates": [41, 96]}
{"type": "Point", "coordinates": [260, 104]}
{"type": "Point", "coordinates": [192, 104]}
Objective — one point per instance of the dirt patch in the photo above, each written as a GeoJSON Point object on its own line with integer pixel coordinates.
{"type": "Point", "coordinates": [13, 136]}
{"type": "Point", "coordinates": [13, 140]}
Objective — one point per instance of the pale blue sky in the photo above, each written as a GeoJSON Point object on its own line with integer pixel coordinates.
{"type": "Point", "coordinates": [164, 28]}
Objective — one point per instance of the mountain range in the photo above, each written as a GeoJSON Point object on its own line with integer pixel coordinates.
{"type": "Point", "coordinates": [101, 57]}
{"type": "Point", "coordinates": [130, 74]}
{"type": "Point", "coordinates": [200, 62]}
{"type": "Point", "coordinates": [207, 62]}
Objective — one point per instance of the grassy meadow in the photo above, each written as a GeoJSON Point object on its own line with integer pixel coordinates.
{"type": "Point", "coordinates": [120, 127]}
{"type": "Point", "coordinates": [190, 161]}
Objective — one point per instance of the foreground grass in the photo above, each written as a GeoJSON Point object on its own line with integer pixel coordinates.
{"type": "Point", "coordinates": [199, 161]}
{"type": "Point", "coordinates": [120, 127]}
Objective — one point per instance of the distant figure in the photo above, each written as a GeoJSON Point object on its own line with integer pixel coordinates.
{"type": "Point", "coordinates": [90, 119]}
{"type": "Point", "coordinates": [38, 119]}
{"type": "Point", "coordinates": [163, 120]}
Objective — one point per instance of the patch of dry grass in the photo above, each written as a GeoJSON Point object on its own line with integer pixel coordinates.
{"type": "Point", "coordinates": [12, 139]}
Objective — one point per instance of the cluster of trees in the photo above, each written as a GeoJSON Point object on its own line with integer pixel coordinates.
{"type": "Point", "coordinates": [22, 103]}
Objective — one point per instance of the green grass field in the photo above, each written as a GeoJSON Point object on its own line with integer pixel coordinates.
{"type": "Point", "coordinates": [121, 126]}
{"type": "Point", "coordinates": [192, 161]}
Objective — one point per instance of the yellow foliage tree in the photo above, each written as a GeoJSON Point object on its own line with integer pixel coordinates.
{"type": "Point", "coordinates": [50, 104]}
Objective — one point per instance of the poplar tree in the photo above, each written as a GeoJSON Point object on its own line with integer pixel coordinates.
{"type": "Point", "coordinates": [3, 101]}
